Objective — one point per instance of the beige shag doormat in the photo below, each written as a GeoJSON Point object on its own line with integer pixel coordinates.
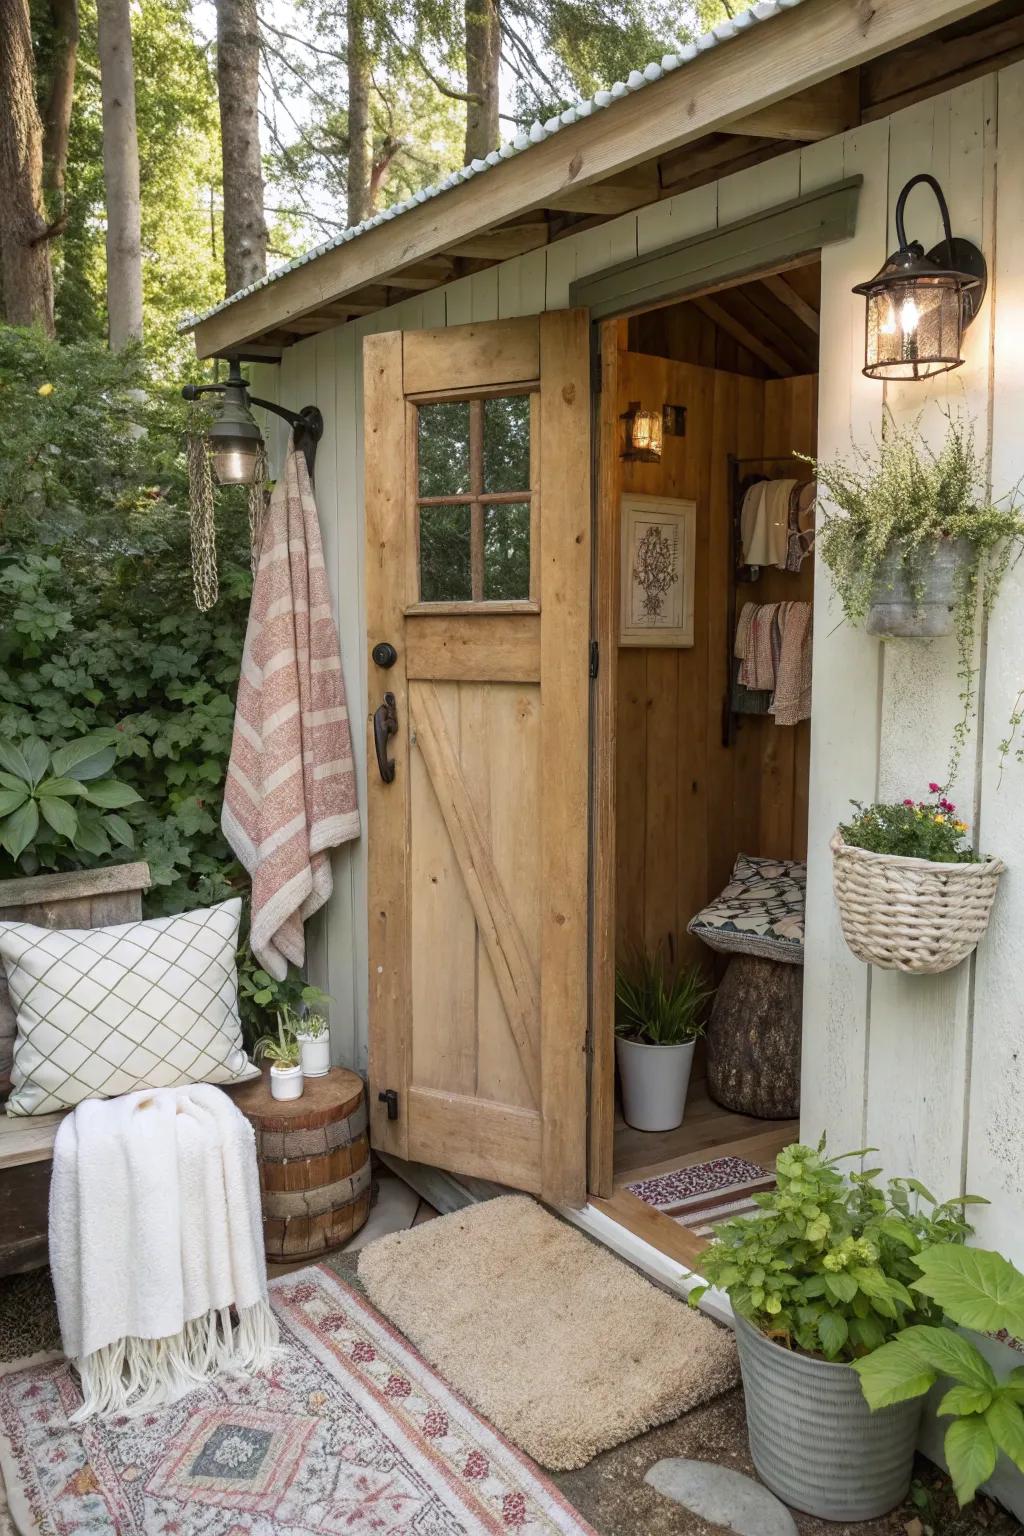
{"type": "Point", "coordinates": [559, 1344]}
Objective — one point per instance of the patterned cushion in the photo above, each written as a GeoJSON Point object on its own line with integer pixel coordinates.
{"type": "Point", "coordinates": [103, 1011]}
{"type": "Point", "coordinates": [760, 912]}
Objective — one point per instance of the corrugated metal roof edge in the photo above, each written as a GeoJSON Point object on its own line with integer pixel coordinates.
{"type": "Point", "coordinates": [760, 11]}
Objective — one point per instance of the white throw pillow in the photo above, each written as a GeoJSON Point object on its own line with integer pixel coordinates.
{"type": "Point", "coordinates": [104, 1011]}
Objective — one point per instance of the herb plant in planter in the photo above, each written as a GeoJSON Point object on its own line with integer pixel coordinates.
{"type": "Point", "coordinates": [282, 1051]}
{"type": "Point", "coordinates": [659, 1016]}
{"type": "Point", "coordinates": [913, 894]}
{"type": "Point", "coordinates": [976, 1290]}
{"type": "Point", "coordinates": [820, 1278]}
{"type": "Point", "coordinates": [314, 1036]}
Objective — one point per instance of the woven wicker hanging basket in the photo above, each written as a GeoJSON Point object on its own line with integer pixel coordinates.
{"type": "Point", "coordinates": [908, 914]}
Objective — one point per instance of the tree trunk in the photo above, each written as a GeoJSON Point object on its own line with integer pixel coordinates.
{"type": "Point", "coordinates": [120, 173]}
{"type": "Point", "coordinates": [483, 59]}
{"type": "Point", "coordinates": [238, 88]}
{"type": "Point", "coordinates": [360, 142]}
{"type": "Point", "coordinates": [64, 15]}
{"type": "Point", "coordinates": [24, 247]}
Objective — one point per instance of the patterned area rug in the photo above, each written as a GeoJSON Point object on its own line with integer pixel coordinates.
{"type": "Point", "coordinates": [349, 1432]}
{"type": "Point", "coordinates": [704, 1194]}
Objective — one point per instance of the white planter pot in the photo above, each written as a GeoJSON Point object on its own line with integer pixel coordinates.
{"type": "Point", "coordinates": [654, 1083]}
{"type": "Point", "coordinates": [286, 1082]}
{"type": "Point", "coordinates": [315, 1051]}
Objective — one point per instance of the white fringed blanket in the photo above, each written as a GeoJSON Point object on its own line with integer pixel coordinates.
{"type": "Point", "coordinates": [155, 1234]}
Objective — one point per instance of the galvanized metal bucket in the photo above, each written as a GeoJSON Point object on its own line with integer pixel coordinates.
{"type": "Point", "coordinates": [897, 612]}
{"type": "Point", "coordinates": [814, 1440]}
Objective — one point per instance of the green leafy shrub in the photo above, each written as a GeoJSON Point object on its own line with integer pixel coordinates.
{"type": "Point", "coordinates": [656, 1004]}
{"type": "Point", "coordinates": [828, 1264]}
{"type": "Point", "coordinates": [982, 1291]}
{"type": "Point", "coordinates": [55, 804]}
{"type": "Point", "coordinates": [902, 496]}
{"type": "Point", "coordinates": [922, 829]}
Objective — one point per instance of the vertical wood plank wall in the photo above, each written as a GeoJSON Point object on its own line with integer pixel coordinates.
{"type": "Point", "coordinates": [687, 804]}
{"type": "Point", "coordinates": [931, 1071]}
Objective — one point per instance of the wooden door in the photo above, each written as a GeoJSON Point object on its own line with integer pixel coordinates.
{"type": "Point", "coordinates": [478, 515]}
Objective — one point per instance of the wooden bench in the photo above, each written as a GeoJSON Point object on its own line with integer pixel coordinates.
{"type": "Point", "coordinates": [86, 898]}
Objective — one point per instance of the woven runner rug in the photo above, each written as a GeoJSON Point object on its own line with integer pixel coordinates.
{"type": "Point", "coordinates": [704, 1194]}
{"type": "Point", "coordinates": [348, 1432]}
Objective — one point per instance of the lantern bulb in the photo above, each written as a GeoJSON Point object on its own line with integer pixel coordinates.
{"type": "Point", "coordinates": [909, 316]}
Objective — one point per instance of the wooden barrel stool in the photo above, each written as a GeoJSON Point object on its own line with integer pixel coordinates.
{"type": "Point", "coordinates": [753, 1038]}
{"type": "Point", "coordinates": [314, 1157]}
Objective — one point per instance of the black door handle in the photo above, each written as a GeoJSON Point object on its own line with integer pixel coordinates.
{"type": "Point", "coordinates": [385, 725]}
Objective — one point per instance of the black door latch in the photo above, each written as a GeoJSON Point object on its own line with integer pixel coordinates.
{"type": "Point", "coordinates": [389, 1097]}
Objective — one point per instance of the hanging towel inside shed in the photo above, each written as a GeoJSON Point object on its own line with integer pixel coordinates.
{"type": "Point", "coordinates": [291, 788]}
{"type": "Point", "coordinates": [792, 700]}
{"type": "Point", "coordinates": [764, 523]}
{"type": "Point", "coordinates": [773, 649]}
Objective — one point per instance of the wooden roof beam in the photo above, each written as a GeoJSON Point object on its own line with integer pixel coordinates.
{"type": "Point", "coordinates": [501, 243]}
{"type": "Point", "coordinates": [721, 317]}
{"type": "Point", "coordinates": [757, 69]}
{"type": "Point", "coordinates": [618, 194]}
{"type": "Point", "coordinates": [793, 301]}
{"type": "Point", "coordinates": [825, 110]}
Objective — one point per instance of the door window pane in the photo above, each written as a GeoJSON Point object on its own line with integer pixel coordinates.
{"type": "Point", "coordinates": [444, 448]}
{"type": "Point", "coordinates": [507, 551]}
{"type": "Point", "coordinates": [444, 554]}
{"type": "Point", "coordinates": [506, 433]}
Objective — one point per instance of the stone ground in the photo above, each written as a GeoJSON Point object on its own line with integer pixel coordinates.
{"type": "Point", "coordinates": [610, 1492]}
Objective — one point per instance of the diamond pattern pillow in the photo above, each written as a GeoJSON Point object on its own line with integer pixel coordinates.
{"type": "Point", "coordinates": [104, 1011]}
{"type": "Point", "coordinates": [760, 911]}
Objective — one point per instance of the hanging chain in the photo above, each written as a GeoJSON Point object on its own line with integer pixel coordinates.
{"type": "Point", "coordinates": [202, 528]}
{"type": "Point", "coordinates": [257, 506]}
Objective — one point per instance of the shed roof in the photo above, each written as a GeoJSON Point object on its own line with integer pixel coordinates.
{"type": "Point", "coordinates": [821, 66]}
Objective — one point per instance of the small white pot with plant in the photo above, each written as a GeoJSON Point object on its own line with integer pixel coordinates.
{"type": "Point", "coordinates": [820, 1281]}
{"type": "Point", "coordinates": [314, 1036]}
{"type": "Point", "coordinates": [659, 1016]}
{"type": "Point", "coordinates": [913, 895]}
{"type": "Point", "coordinates": [282, 1051]}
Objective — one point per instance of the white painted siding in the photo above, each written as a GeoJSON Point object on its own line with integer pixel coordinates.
{"type": "Point", "coordinates": [929, 1070]}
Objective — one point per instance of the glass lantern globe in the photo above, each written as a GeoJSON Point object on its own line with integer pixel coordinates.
{"type": "Point", "coordinates": [641, 436]}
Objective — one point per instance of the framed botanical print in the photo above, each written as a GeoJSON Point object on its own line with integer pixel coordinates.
{"type": "Point", "coordinates": [657, 575]}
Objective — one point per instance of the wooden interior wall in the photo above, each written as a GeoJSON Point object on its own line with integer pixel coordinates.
{"type": "Point", "coordinates": [685, 803]}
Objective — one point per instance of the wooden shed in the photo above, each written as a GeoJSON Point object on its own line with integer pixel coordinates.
{"type": "Point", "coordinates": [566, 783]}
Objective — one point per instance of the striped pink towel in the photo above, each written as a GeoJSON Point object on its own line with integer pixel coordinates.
{"type": "Point", "coordinates": [291, 787]}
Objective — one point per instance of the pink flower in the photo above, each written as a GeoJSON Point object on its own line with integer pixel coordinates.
{"type": "Point", "coordinates": [935, 788]}
{"type": "Point", "coordinates": [908, 802]}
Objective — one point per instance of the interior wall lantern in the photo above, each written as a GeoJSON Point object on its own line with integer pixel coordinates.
{"type": "Point", "coordinates": [920, 304]}
{"type": "Point", "coordinates": [641, 434]}
{"type": "Point", "coordinates": [234, 439]}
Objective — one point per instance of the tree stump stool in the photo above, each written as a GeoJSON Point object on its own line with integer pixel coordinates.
{"type": "Point", "coordinates": [753, 1038]}
{"type": "Point", "coordinates": [314, 1159]}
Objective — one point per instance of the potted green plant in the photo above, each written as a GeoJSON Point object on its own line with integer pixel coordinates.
{"type": "Point", "coordinates": [913, 895]}
{"type": "Point", "coordinates": [659, 1016]}
{"type": "Point", "coordinates": [282, 1051]}
{"type": "Point", "coordinates": [976, 1290]}
{"type": "Point", "coordinates": [314, 1036]}
{"type": "Point", "coordinates": [819, 1279]}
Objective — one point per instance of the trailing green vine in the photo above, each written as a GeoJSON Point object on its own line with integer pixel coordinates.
{"type": "Point", "coordinates": [901, 497]}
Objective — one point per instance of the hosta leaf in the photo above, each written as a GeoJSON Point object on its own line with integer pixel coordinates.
{"type": "Point", "coordinates": [37, 757]}
{"type": "Point", "coordinates": [119, 830]}
{"type": "Point", "coordinates": [66, 789]}
{"type": "Point", "coordinates": [950, 1354]}
{"type": "Point", "coordinates": [61, 817]}
{"type": "Point", "coordinates": [1006, 1425]}
{"type": "Point", "coordinates": [92, 837]}
{"type": "Point", "coordinates": [833, 1333]}
{"type": "Point", "coordinates": [13, 781]}
{"type": "Point", "coordinates": [974, 1287]}
{"type": "Point", "coordinates": [963, 1400]}
{"type": "Point", "coordinates": [80, 752]}
{"type": "Point", "coordinates": [12, 759]}
{"type": "Point", "coordinates": [970, 1455]}
{"type": "Point", "coordinates": [92, 767]}
{"type": "Point", "coordinates": [892, 1374]}
{"type": "Point", "coordinates": [18, 830]}
{"type": "Point", "coordinates": [10, 799]}
{"type": "Point", "coordinates": [111, 794]}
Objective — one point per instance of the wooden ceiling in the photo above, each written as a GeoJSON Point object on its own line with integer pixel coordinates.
{"type": "Point", "coordinates": [256, 326]}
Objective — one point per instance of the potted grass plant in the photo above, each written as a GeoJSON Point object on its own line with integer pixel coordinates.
{"type": "Point", "coordinates": [820, 1279]}
{"type": "Point", "coordinates": [282, 1051]}
{"type": "Point", "coordinates": [313, 1034]}
{"type": "Point", "coordinates": [659, 1015]}
{"type": "Point", "coordinates": [913, 894]}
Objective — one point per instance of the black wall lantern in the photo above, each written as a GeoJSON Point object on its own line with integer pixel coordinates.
{"type": "Point", "coordinates": [918, 305]}
{"type": "Point", "coordinates": [234, 438]}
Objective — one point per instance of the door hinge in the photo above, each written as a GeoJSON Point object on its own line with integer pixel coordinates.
{"type": "Point", "coordinates": [390, 1098]}
{"type": "Point", "coordinates": [595, 658]}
